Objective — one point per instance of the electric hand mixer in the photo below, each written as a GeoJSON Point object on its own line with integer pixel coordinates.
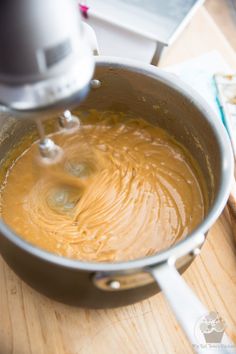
{"type": "Point", "coordinates": [46, 62]}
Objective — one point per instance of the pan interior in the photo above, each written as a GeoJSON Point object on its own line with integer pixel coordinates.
{"type": "Point", "coordinates": [160, 105]}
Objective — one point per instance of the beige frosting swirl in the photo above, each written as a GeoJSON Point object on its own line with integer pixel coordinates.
{"type": "Point", "coordinates": [125, 189]}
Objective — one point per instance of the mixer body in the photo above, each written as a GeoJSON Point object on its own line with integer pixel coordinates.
{"type": "Point", "coordinates": [46, 60]}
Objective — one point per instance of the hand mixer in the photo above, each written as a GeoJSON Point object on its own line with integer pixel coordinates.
{"type": "Point", "coordinates": [46, 62]}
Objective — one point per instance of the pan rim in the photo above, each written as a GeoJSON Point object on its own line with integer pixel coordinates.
{"type": "Point", "coordinates": [195, 238]}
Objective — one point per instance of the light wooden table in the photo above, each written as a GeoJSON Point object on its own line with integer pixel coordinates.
{"type": "Point", "coordinates": [224, 13]}
{"type": "Point", "coordinates": [32, 323]}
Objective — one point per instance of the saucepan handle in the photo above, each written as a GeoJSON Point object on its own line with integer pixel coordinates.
{"type": "Point", "coordinates": [187, 307]}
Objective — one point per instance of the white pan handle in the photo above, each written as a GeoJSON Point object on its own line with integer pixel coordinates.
{"type": "Point", "coordinates": [187, 307]}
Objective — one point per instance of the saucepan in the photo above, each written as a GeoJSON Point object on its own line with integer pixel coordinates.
{"type": "Point", "coordinates": [162, 99]}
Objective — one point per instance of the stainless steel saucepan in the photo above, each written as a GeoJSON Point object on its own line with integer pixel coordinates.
{"type": "Point", "coordinates": [162, 99]}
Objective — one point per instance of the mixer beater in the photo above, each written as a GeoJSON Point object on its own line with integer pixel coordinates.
{"type": "Point", "coordinates": [49, 151]}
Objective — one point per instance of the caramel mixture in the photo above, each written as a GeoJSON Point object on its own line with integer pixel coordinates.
{"type": "Point", "coordinates": [125, 189]}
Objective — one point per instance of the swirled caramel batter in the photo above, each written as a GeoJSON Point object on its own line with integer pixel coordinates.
{"type": "Point", "coordinates": [125, 189]}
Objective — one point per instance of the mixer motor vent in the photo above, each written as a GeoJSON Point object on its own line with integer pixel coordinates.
{"type": "Point", "coordinates": [55, 54]}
